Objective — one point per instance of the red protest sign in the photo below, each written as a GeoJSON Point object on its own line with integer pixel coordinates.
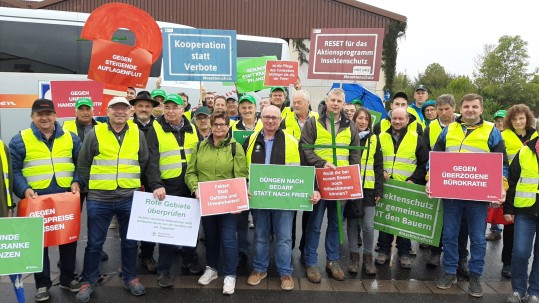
{"type": "Point", "coordinates": [281, 73]}
{"type": "Point", "coordinates": [119, 64]}
{"type": "Point", "coordinates": [346, 53]}
{"type": "Point", "coordinates": [340, 184]}
{"type": "Point", "coordinates": [466, 176]}
{"type": "Point", "coordinates": [66, 93]}
{"type": "Point", "coordinates": [223, 196]}
{"type": "Point", "coordinates": [61, 216]}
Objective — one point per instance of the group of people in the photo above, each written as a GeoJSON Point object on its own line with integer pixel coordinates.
{"type": "Point", "coordinates": [155, 143]}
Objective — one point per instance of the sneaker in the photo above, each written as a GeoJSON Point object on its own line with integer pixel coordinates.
{"type": "Point", "coordinates": [475, 289]}
{"type": "Point", "coordinates": [532, 299]}
{"type": "Point", "coordinates": [42, 294]}
{"type": "Point", "coordinates": [256, 277]}
{"type": "Point", "coordinates": [433, 260]}
{"type": "Point", "coordinates": [506, 271]}
{"type": "Point", "coordinates": [73, 286]}
{"type": "Point", "coordinates": [242, 259]}
{"type": "Point", "coordinates": [405, 261]}
{"type": "Point", "coordinates": [85, 292]}
{"type": "Point", "coordinates": [493, 236]}
{"type": "Point", "coordinates": [229, 285]}
{"type": "Point", "coordinates": [104, 256]}
{"type": "Point", "coordinates": [463, 269]}
{"type": "Point", "coordinates": [164, 280]}
{"type": "Point", "coordinates": [208, 276]}
{"type": "Point", "coordinates": [287, 282]}
{"type": "Point", "coordinates": [313, 274]}
{"type": "Point", "coordinates": [135, 287]}
{"type": "Point", "coordinates": [193, 267]}
{"type": "Point", "coordinates": [446, 281]}
{"type": "Point", "coordinates": [381, 258]}
{"type": "Point", "coordinates": [149, 264]}
{"type": "Point", "coordinates": [412, 252]}
{"type": "Point", "coordinates": [334, 270]}
{"type": "Point", "coordinates": [514, 298]}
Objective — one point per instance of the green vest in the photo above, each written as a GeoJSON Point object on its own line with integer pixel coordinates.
{"type": "Point", "coordinates": [513, 143]}
{"type": "Point", "coordinates": [435, 129]}
{"type": "Point", "coordinates": [526, 190]}
{"type": "Point", "coordinates": [5, 170]}
{"type": "Point", "coordinates": [292, 125]}
{"type": "Point", "coordinates": [41, 165]}
{"type": "Point", "coordinates": [476, 142]}
{"type": "Point", "coordinates": [323, 137]}
{"type": "Point", "coordinates": [290, 148]}
{"type": "Point", "coordinates": [367, 164]}
{"type": "Point", "coordinates": [400, 165]}
{"type": "Point", "coordinates": [115, 166]}
{"type": "Point", "coordinates": [170, 155]}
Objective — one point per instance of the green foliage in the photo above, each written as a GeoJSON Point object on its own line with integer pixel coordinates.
{"type": "Point", "coordinates": [303, 51]}
{"type": "Point", "coordinates": [396, 30]}
{"type": "Point", "coordinates": [435, 77]}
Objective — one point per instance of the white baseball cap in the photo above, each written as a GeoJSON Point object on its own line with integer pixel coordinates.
{"type": "Point", "coordinates": [119, 100]}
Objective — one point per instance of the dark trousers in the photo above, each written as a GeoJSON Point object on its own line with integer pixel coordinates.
{"type": "Point", "coordinates": [68, 254]}
{"type": "Point", "coordinates": [385, 240]}
{"type": "Point", "coordinates": [508, 237]}
{"type": "Point", "coordinates": [304, 221]}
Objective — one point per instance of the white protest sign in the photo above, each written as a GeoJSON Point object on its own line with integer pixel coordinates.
{"type": "Point", "coordinates": [174, 220]}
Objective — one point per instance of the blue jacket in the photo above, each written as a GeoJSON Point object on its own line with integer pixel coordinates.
{"type": "Point", "coordinates": [17, 149]}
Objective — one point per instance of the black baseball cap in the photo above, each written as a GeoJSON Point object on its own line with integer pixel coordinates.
{"type": "Point", "coordinates": [400, 95]}
{"type": "Point", "coordinates": [41, 105]}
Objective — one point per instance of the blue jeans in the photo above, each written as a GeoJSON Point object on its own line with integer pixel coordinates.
{"type": "Point", "coordinates": [99, 217]}
{"type": "Point", "coordinates": [220, 231]}
{"type": "Point", "coordinates": [281, 220]}
{"type": "Point", "coordinates": [312, 237]}
{"type": "Point", "coordinates": [475, 214]}
{"type": "Point", "coordinates": [526, 227]}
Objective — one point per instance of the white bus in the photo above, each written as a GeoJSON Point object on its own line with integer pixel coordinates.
{"type": "Point", "coordinates": [37, 46]}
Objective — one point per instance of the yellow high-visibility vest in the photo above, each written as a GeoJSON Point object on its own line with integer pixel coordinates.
{"type": "Point", "coordinates": [402, 164]}
{"type": "Point", "coordinates": [5, 170]}
{"type": "Point", "coordinates": [170, 155]}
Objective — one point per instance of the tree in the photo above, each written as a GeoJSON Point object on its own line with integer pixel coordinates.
{"type": "Point", "coordinates": [502, 75]}
{"type": "Point", "coordinates": [435, 77]}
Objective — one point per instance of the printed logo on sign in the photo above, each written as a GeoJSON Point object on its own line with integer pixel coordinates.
{"type": "Point", "coordinates": [361, 70]}
{"type": "Point", "coordinates": [355, 195]}
{"type": "Point", "coordinates": [243, 206]}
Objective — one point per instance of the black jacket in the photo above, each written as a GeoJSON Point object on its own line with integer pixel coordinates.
{"type": "Point", "coordinates": [175, 186]}
{"type": "Point", "coordinates": [259, 148]}
{"type": "Point", "coordinates": [514, 176]}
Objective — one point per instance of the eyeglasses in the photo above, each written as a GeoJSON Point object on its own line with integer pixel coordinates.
{"type": "Point", "coordinates": [219, 125]}
{"type": "Point", "coordinates": [273, 118]}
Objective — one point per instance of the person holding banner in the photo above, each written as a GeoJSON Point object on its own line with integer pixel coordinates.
{"type": "Point", "coordinates": [170, 144]}
{"type": "Point", "coordinates": [518, 131]}
{"type": "Point", "coordinates": [144, 119]}
{"type": "Point", "coordinates": [273, 146]}
{"type": "Point", "coordinates": [218, 158]}
{"type": "Point", "coordinates": [111, 161]}
{"type": "Point", "coordinates": [400, 100]}
{"type": "Point", "coordinates": [293, 124]}
{"type": "Point", "coordinates": [318, 131]}
{"type": "Point", "coordinates": [43, 159]}
{"type": "Point", "coordinates": [372, 174]}
{"type": "Point", "coordinates": [405, 159]}
{"type": "Point", "coordinates": [469, 133]}
{"type": "Point", "coordinates": [522, 208]}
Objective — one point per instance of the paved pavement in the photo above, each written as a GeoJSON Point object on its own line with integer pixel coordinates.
{"type": "Point", "coordinates": [391, 284]}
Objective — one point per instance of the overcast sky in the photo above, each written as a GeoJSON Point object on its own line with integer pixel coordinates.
{"type": "Point", "coordinates": [453, 33]}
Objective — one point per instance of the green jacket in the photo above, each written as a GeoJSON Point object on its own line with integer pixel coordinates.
{"type": "Point", "coordinates": [211, 162]}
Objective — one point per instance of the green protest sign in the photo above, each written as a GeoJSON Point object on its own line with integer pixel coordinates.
{"type": "Point", "coordinates": [281, 187]}
{"type": "Point", "coordinates": [251, 73]}
{"type": "Point", "coordinates": [21, 245]}
{"type": "Point", "coordinates": [406, 211]}
{"type": "Point", "coordinates": [241, 135]}
{"type": "Point", "coordinates": [376, 117]}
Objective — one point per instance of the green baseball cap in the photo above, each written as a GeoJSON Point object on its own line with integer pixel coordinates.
{"type": "Point", "coordinates": [247, 97]}
{"type": "Point", "coordinates": [174, 98]}
{"type": "Point", "coordinates": [84, 101]}
{"type": "Point", "coordinates": [357, 101]}
{"type": "Point", "coordinates": [500, 114]}
{"type": "Point", "coordinates": [158, 92]}
{"type": "Point", "coordinates": [277, 88]}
